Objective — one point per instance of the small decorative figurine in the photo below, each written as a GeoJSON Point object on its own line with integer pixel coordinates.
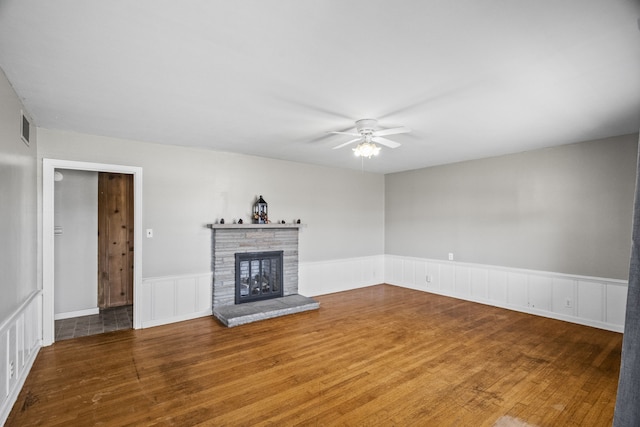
{"type": "Point", "coordinates": [221, 220]}
{"type": "Point", "coordinates": [298, 221]}
{"type": "Point", "coordinates": [282, 222]}
{"type": "Point", "coordinates": [240, 221]}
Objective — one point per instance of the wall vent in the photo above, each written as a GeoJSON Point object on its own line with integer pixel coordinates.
{"type": "Point", "coordinates": [25, 128]}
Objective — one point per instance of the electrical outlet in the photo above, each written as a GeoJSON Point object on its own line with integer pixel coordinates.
{"type": "Point", "coordinates": [450, 256]}
{"type": "Point", "coordinates": [568, 303]}
{"type": "Point", "coordinates": [149, 233]}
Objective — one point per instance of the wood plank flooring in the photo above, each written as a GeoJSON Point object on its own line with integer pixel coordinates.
{"type": "Point", "coordinates": [375, 356]}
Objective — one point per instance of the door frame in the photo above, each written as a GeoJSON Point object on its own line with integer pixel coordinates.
{"type": "Point", "coordinates": [48, 267]}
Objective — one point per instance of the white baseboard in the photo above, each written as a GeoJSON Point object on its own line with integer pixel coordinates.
{"type": "Point", "coordinates": [20, 341]}
{"type": "Point", "coordinates": [590, 301]}
{"type": "Point", "coordinates": [79, 313]}
{"type": "Point", "coordinates": [174, 319]}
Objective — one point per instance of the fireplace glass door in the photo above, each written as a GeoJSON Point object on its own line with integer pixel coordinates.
{"type": "Point", "coordinates": [258, 276]}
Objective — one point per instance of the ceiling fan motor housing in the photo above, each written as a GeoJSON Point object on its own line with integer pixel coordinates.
{"type": "Point", "coordinates": [366, 125]}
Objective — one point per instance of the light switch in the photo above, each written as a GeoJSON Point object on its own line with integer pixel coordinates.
{"type": "Point", "coordinates": [149, 233]}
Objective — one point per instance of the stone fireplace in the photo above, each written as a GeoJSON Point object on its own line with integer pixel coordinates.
{"type": "Point", "coordinates": [232, 239]}
{"type": "Point", "coordinates": [250, 242]}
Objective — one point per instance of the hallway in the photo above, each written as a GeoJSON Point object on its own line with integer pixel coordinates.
{"type": "Point", "coordinates": [111, 319]}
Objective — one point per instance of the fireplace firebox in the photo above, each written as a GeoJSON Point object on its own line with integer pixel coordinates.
{"type": "Point", "coordinates": [258, 276]}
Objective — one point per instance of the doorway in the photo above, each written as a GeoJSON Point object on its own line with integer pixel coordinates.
{"type": "Point", "coordinates": [48, 269]}
{"type": "Point", "coordinates": [94, 249]}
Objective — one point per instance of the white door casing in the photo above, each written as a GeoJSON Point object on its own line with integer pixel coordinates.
{"type": "Point", "coordinates": [48, 169]}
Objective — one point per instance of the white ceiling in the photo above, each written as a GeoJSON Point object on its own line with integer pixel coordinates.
{"type": "Point", "coordinates": [472, 78]}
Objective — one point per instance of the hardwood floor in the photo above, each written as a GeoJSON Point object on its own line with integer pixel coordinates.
{"type": "Point", "coordinates": [376, 356]}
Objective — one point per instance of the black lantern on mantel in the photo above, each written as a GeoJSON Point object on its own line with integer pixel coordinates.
{"type": "Point", "coordinates": [260, 212]}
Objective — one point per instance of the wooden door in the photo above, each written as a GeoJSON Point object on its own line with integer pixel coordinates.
{"type": "Point", "coordinates": [115, 239]}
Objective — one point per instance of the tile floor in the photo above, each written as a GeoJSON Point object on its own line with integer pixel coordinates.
{"type": "Point", "coordinates": [110, 319]}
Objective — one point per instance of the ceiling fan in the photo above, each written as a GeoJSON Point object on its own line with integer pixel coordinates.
{"type": "Point", "coordinates": [368, 135]}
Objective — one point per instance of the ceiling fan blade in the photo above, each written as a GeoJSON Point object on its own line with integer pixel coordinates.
{"type": "Point", "coordinates": [307, 106]}
{"type": "Point", "coordinates": [347, 143]}
{"type": "Point", "coordinates": [386, 142]}
{"type": "Point", "coordinates": [345, 133]}
{"type": "Point", "coordinates": [393, 131]}
{"type": "Point", "coordinates": [429, 100]}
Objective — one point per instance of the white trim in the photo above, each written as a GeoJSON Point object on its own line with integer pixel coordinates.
{"type": "Point", "coordinates": [207, 274]}
{"type": "Point", "coordinates": [20, 342]}
{"type": "Point", "coordinates": [48, 169]}
{"type": "Point", "coordinates": [78, 313]}
{"type": "Point", "coordinates": [595, 301]}
{"type": "Point", "coordinates": [520, 270]}
{"type": "Point", "coordinates": [181, 318]}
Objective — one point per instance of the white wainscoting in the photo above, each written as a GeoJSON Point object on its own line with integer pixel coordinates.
{"type": "Point", "coordinates": [597, 302]}
{"type": "Point", "coordinates": [20, 340]}
{"type": "Point", "coordinates": [591, 301]}
{"type": "Point", "coordinates": [326, 277]}
{"type": "Point", "coordinates": [172, 299]}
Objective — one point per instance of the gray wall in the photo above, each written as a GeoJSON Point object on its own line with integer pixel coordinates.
{"type": "Point", "coordinates": [76, 246]}
{"type": "Point", "coordinates": [566, 209]}
{"type": "Point", "coordinates": [18, 205]}
{"type": "Point", "coordinates": [185, 188]}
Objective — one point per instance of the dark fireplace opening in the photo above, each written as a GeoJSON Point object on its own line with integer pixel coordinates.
{"type": "Point", "coordinates": [258, 276]}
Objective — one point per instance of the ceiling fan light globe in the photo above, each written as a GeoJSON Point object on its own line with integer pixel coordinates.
{"type": "Point", "coordinates": [366, 149]}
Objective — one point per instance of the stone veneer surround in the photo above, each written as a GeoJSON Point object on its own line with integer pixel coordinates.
{"type": "Point", "coordinates": [229, 239]}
